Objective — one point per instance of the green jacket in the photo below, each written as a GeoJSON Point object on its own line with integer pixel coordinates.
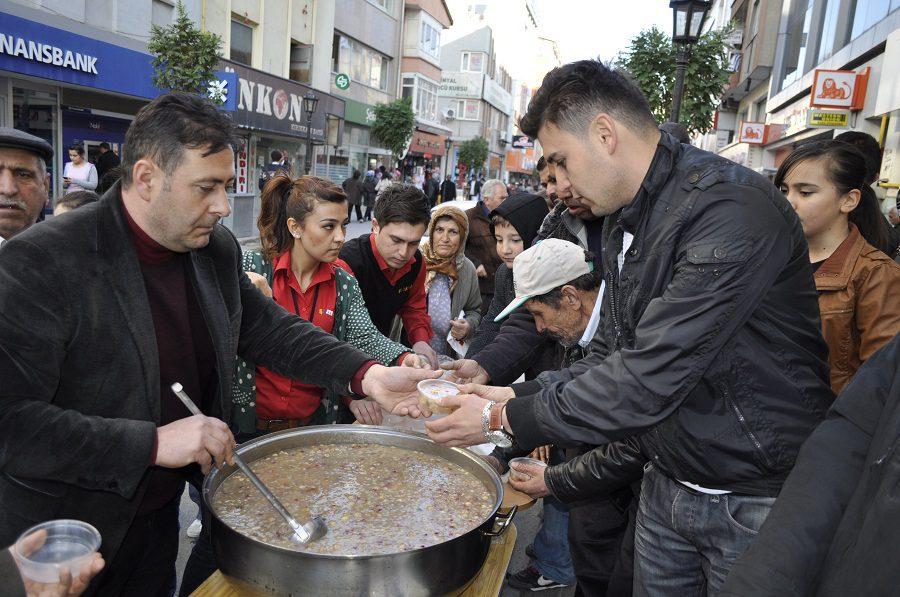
{"type": "Point", "coordinates": [352, 324]}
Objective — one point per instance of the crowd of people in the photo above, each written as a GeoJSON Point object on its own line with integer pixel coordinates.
{"type": "Point", "coordinates": [704, 361]}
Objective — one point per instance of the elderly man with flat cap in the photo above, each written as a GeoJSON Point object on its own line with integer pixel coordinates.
{"type": "Point", "coordinates": [24, 182]}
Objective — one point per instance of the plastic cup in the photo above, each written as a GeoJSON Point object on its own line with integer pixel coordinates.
{"type": "Point", "coordinates": [69, 544]}
{"type": "Point", "coordinates": [430, 390]}
{"type": "Point", "coordinates": [522, 477]}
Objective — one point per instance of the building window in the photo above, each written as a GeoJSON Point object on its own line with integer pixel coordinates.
{"type": "Point", "coordinates": [162, 13]}
{"type": "Point", "coordinates": [301, 62]}
{"type": "Point", "coordinates": [423, 94]}
{"type": "Point", "coordinates": [467, 109]}
{"type": "Point", "coordinates": [795, 52]}
{"type": "Point", "coordinates": [430, 40]}
{"type": "Point", "coordinates": [867, 13]}
{"type": "Point", "coordinates": [362, 63]}
{"type": "Point", "coordinates": [472, 62]}
{"type": "Point", "coordinates": [241, 43]}
{"type": "Point", "coordinates": [384, 5]}
{"type": "Point", "coordinates": [829, 33]}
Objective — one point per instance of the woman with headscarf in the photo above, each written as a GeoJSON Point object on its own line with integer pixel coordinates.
{"type": "Point", "coordinates": [451, 284]}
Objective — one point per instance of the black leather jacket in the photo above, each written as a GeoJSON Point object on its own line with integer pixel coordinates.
{"type": "Point", "coordinates": [717, 363]}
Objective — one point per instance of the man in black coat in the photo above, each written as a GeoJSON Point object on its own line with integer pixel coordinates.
{"type": "Point", "coordinates": [106, 161]}
{"type": "Point", "coordinates": [136, 292]}
{"type": "Point", "coordinates": [448, 189]}
{"type": "Point", "coordinates": [835, 528]}
{"type": "Point", "coordinates": [716, 361]}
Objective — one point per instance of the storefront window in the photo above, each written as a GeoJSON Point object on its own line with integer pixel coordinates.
{"type": "Point", "coordinates": [35, 112]}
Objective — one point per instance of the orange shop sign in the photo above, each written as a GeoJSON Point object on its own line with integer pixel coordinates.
{"type": "Point", "coordinates": [753, 133]}
{"type": "Point", "coordinates": [839, 89]}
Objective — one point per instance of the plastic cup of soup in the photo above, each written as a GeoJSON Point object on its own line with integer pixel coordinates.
{"type": "Point", "coordinates": [431, 390]}
{"type": "Point", "coordinates": [67, 544]}
{"type": "Point", "coordinates": [519, 476]}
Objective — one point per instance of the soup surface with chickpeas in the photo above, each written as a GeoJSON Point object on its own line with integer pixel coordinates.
{"type": "Point", "coordinates": [375, 499]}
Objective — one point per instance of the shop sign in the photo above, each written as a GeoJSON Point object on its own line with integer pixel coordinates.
{"type": "Point", "coordinates": [342, 81]}
{"type": "Point", "coordinates": [839, 89]}
{"type": "Point", "coordinates": [270, 103]}
{"type": "Point", "coordinates": [37, 50]}
{"type": "Point", "coordinates": [426, 143]}
{"type": "Point", "coordinates": [753, 133]}
{"type": "Point", "coordinates": [241, 185]}
{"type": "Point", "coordinates": [522, 142]}
{"type": "Point", "coordinates": [358, 112]}
{"type": "Point", "coordinates": [461, 85]}
{"type": "Point", "coordinates": [829, 118]}
{"type": "Point", "coordinates": [497, 96]}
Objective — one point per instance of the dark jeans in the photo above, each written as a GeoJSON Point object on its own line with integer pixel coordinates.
{"type": "Point", "coordinates": [369, 211]}
{"type": "Point", "coordinates": [350, 211]}
{"type": "Point", "coordinates": [596, 531]}
{"type": "Point", "coordinates": [145, 562]}
{"type": "Point", "coordinates": [686, 541]}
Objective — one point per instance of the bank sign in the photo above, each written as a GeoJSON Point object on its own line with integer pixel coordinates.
{"type": "Point", "coordinates": [269, 103]}
{"type": "Point", "coordinates": [37, 50]}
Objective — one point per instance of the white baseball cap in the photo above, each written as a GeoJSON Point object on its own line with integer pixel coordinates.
{"type": "Point", "coordinates": [547, 265]}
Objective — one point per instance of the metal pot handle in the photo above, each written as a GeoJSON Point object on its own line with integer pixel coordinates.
{"type": "Point", "coordinates": [501, 523]}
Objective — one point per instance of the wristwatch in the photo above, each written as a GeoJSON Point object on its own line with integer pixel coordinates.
{"type": "Point", "coordinates": [492, 425]}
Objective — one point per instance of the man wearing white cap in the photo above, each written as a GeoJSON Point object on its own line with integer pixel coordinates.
{"type": "Point", "coordinates": [556, 283]}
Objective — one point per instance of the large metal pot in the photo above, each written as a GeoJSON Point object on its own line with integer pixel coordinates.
{"type": "Point", "coordinates": [436, 570]}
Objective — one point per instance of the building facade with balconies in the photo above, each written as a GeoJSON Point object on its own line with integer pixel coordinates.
{"type": "Point", "coordinates": [424, 22]}
{"type": "Point", "coordinates": [475, 98]}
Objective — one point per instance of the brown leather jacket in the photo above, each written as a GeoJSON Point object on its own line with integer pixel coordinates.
{"type": "Point", "coordinates": [859, 300]}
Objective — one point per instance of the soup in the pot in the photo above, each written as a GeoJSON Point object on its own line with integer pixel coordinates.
{"type": "Point", "coordinates": [375, 499]}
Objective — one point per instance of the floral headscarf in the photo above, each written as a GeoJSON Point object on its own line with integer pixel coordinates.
{"type": "Point", "coordinates": [445, 265]}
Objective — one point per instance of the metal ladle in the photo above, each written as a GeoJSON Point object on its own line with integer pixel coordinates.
{"type": "Point", "coordinates": [304, 533]}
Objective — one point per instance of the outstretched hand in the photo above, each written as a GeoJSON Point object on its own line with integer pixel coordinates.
{"type": "Point", "coordinates": [394, 388]}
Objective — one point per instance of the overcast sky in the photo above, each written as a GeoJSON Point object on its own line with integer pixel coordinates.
{"type": "Point", "coordinates": [588, 28]}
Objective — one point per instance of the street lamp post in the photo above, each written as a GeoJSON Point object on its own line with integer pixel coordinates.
{"type": "Point", "coordinates": [687, 24]}
{"type": "Point", "coordinates": [310, 101]}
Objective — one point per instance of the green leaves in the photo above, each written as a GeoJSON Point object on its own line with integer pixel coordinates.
{"type": "Point", "coordinates": [185, 58]}
{"type": "Point", "coordinates": [473, 153]}
{"type": "Point", "coordinates": [394, 125]}
{"type": "Point", "coordinates": [650, 59]}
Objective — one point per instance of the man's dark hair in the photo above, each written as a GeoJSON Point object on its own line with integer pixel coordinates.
{"type": "Point", "coordinates": [76, 199]}
{"type": "Point", "coordinates": [104, 145]}
{"type": "Point", "coordinates": [276, 155]}
{"type": "Point", "coordinates": [571, 95]}
{"type": "Point", "coordinates": [172, 122]}
{"type": "Point", "coordinates": [869, 147]}
{"type": "Point", "coordinates": [402, 203]}
{"type": "Point", "coordinates": [542, 163]}
{"type": "Point", "coordinates": [586, 282]}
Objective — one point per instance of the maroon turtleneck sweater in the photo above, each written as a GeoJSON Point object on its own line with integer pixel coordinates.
{"type": "Point", "coordinates": [186, 353]}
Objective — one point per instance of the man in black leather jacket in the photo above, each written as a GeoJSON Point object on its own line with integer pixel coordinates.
{"type": "Point", "coordinates": [716, 360]}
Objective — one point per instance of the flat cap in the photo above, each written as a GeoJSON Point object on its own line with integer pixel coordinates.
{"type": "Point", "coordinates": [17, 139]}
